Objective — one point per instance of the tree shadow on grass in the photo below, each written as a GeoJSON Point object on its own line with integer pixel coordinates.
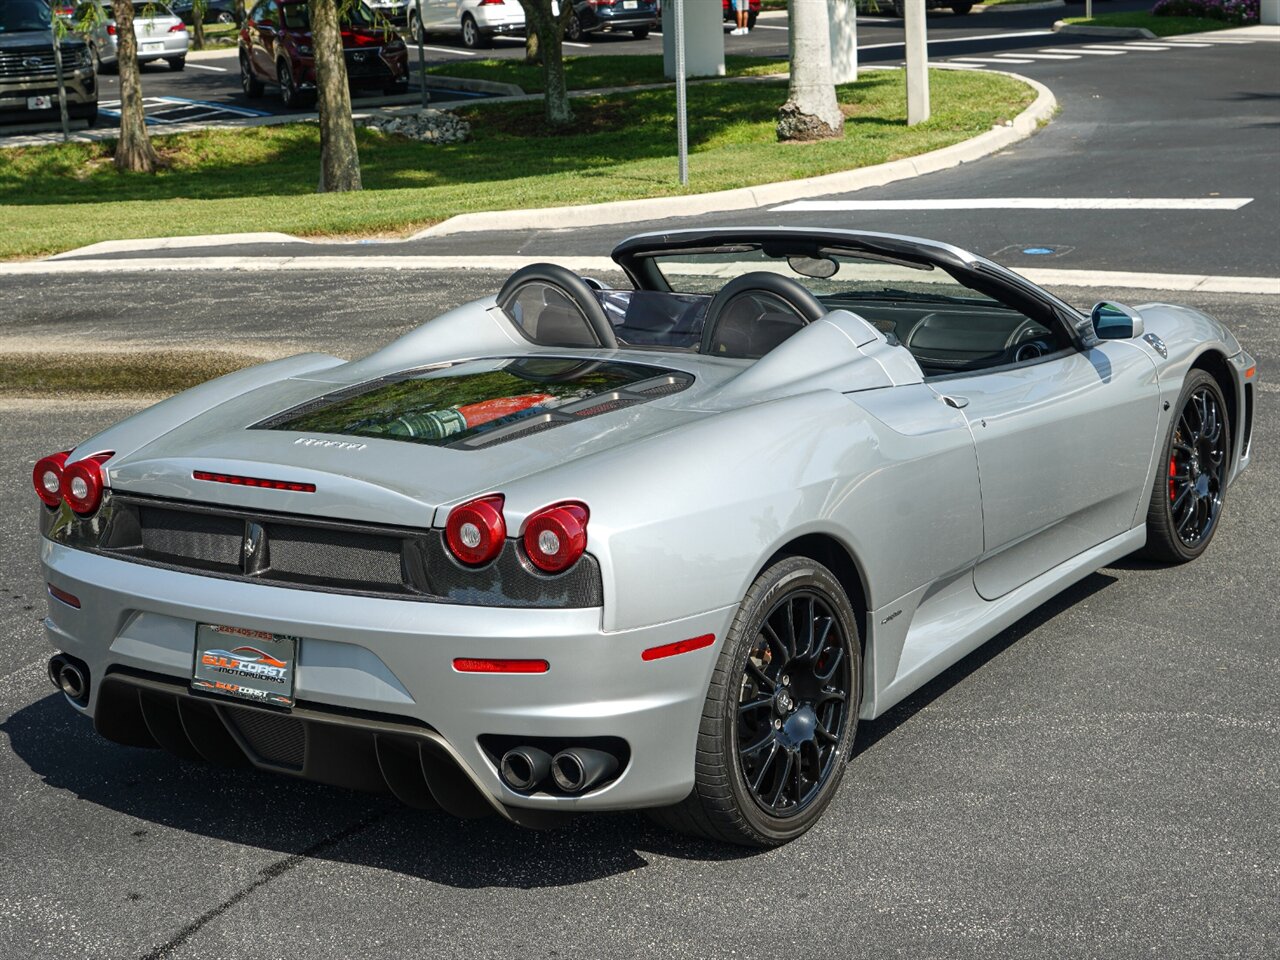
{"type": "Point", "coordinates": [368, 830]}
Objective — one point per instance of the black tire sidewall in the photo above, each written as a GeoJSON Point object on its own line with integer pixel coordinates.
{"type": "Point", "coordinates": [783, 577]}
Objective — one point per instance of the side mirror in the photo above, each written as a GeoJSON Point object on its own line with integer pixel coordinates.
{"type": "Point", "coordinates": [1115, 321]}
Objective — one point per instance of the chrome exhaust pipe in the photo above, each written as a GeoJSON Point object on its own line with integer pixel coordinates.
{"type": "Point", "coordinates": [580, 768]}
{"type": "Point", "coordinates": [523, 768]}
{"type": "Point", "coordinates": [69, 677]}
{"type": "Point", "coordinates": [56, 663]}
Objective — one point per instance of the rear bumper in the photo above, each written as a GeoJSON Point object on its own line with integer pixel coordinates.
{"type": "Point", "coordinates": [81, 89]}
{"type": "Point", "coordinates": [366, 660]}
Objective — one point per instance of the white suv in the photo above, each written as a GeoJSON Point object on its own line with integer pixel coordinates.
{"type": "Point", "coordinates": [477, 21]}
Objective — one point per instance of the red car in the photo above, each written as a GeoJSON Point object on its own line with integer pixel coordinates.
{"type": "Point", "coordinates": [276, 47]}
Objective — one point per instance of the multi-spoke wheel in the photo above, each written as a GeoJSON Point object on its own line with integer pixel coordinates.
{"type": "Point", "coordinates": [781, 712]}
{"type": "Point", "coordinates": [1186, 503]}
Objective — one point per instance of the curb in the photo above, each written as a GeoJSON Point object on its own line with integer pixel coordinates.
{"type": "Point", "coordinates": [1080, 29]}
{"type": "Point", "coordinates": [744, 198]}
{"type": "Point", "coordinates": [478, 86]}
{"type": "Point", "coordinates": [1018, 7]}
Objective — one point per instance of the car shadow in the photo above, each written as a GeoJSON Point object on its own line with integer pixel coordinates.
{"type": "Point", "coordinates": [314, 821]}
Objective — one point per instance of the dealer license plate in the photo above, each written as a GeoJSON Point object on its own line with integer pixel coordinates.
{"type": "Point", "coordinates": [630, 4]}
{"type": "Point", "coordinates": [152, 46]}
{"type": "Point", "coordinates": [39, 103]}
{"type": "Point", "coordinates": [245, 664]}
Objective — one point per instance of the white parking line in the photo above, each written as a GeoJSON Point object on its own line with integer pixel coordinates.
{"type": "Point", "coordinates": [1021, 203]}
{"type": "Point", "coordinates": [1044, 56]}
{"type": "Point", "coordinates": [985, 36]}
{"type": "Point", "coordinates": [988, 60]}
{"type": "Point", "coordinates": [1147, 46]}
{"type": "Point", "coordinates": [205, 66]}
{"type": "Point", "coordinates": [455, 52]}
{"type": "Point", "coordinates": [1113, 49]}
{"type": "Point", "coordinates": [580, 46]}
{"type": "Point", "coordinates": [765, 26]}
{"type": "Point", "coordinates": [1100, 53]}
{"type": "Point", "coordinates": [1187, 43]}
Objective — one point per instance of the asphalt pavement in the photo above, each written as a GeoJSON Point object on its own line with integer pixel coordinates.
{"type": "Point", "coordinates": [1098, 781]}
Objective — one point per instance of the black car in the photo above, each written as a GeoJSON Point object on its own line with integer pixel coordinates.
{"type": "Point", "coordinates": [29, 70]}
{"type": "Point", "coordinates": [589, 17]}
{"type": "Point", "coordinates": [215, 11]}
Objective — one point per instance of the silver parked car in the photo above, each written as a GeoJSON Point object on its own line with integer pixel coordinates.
{"type": "Point", "coordinates": [161, 36]}
{"type": "Point", "coordinates": [577, 548]}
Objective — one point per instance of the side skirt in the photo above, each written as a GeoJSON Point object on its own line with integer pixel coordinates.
{"type": "Point", "coordinates": [948, 624]}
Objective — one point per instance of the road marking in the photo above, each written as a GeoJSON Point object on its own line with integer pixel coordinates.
{"type": "Point", "coordinates": [456, 53]}
{"type": "Point", "coordinates": [985, 36]}
{"type": "Point", "coordinates": [1187, 43]}
{"type": "Point", "coordinates": [1103, 46]}
{"type": "Point", "coordinates": [205, 66]}
{"type": "Point", "coordinates": [505, 264]}
{"type": "Point", "coordinates": [1147, 46]}
{"type": "Point", "coordinates": [1099, 53]}
{"type": "Point", "coordinates": [1020, 203]}
{"type": "Point", "coordinates": [1044, 56]}
{"type": "Point", "coordinates": [987, 60]}
{"type": "Point", "coordinates": [580, 46]}
{"type": "Point", "coordinates": [765, 26]}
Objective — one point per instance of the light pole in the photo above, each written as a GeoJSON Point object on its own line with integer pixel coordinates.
{"type": "Point", "coordinates": [422, 58]}
{"type": "Point", "coordinates": [682, 106]}
{"type": "Point", "coordinates": [917, 64]}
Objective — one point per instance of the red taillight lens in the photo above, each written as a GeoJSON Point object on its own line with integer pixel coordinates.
{"type": "Point", "coordinates": [178, 28]}
{"type": "Point", "coordinates": [47, 478]}
{"type": "Point", "coordinates": [111, 29]}
{"type": "Point", "coordinates": [83, 483]}
{"type": "Point", "coordinates": [679, 647]}
{"type": "Point", "coordinates": [476, 531]}
{"type": "Point", "coordinates": [556, 536]}
{"type": "Point", "coordinates": [476, 665]}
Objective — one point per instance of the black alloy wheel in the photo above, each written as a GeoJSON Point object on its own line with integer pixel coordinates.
{"type": "Point", "coordinates": [793, 704]}
{"type": "Point", "coordinates": [1188, 496]}
{"type": "Point", "coordinates": [415, 28]}
{"type": "Point", "coordinates": [225, 16]}
{"type": "Point", "coordinates": [573, 31]}
{"type": "Point", "coordinates": [781, 711]}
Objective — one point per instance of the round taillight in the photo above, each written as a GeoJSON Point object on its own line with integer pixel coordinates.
{"type": "Point", "coordinates": [82, 485]}
{"type": "Point", "coordinates": [47, 478]}
{"type": "Point", "coordinates": [556, 536]}
{"type": "Point", "coordinates": [476, 531]}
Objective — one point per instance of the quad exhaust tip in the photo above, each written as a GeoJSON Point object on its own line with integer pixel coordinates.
{"type": "Point", "coordinates": [580, 768]}
{"type": "Point", "coordinates": [69, 677]}
{"type": "Point", "coordinates": [523, 768]}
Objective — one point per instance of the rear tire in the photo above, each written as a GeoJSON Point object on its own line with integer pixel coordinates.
{"type": "Point", "coordinates": [472, 37]}
{"type": "Point", "coordinates": [640, 33]}
{"type": "Point", "coordinates": [177, 63]}
{"type": "Point", "coordinates": [250, 84]}
{"type": "Point", "coordinates": [788, 680]}
{"type": "Point", "coordinates": [1190, 485]}
{"type": "Point", "coordinates": [960, 9]}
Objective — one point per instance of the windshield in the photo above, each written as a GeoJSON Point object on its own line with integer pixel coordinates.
{"type": "Point", "coordinates": [830, 273]}
{"type": "Point", "coordinates": [18, 15]}
{"type": "Point", "coordinates": [297, 16]}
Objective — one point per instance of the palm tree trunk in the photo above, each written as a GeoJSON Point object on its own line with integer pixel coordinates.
{"type": "Point", "coordinates": [134, 152]}
{"type": "Point", "coordinates": [550, 32]}
{"type": "Point", "coordinates": [811, 111]}
{"type": "Point", "coordinates": [198, 10]}
{"type": "Point", "coordinates": [339, 158]}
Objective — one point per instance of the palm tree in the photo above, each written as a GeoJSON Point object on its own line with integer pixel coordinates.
{"type": "Point", "coordinates": [134, 151]}
{"type": "Point", "coordinates": [548, 25]}
{"type": "Point", "coordinates": [339, 157]}
{"type": "Point", "coordinates": [811, 111]}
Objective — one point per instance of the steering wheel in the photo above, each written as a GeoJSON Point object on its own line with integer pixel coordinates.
{"type": "Point", "coordinates": [569, 285]}
{"type": "Point", "coordinates": [793, 295]}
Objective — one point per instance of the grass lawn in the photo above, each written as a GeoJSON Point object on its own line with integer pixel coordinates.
{"type": "Point", "coordinates": [1160, 26]}
{"type": "Point", "coordinates": [587, 73]}
{"type": "Point", "coordinates": [57, 197]}
{"type": "Point", "coordinates": [161, 371]}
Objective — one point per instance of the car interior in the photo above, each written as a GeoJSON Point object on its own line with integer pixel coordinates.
{"type": "Point", "coordinates": [757, 310]}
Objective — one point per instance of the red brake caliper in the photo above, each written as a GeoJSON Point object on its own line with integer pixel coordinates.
{"type": "Point", "coordinates": [1173, 469]}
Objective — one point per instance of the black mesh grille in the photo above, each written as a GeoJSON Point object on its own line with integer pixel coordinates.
{"type": "Point", "coordinates": [207, 538]}
{"type": "Point", "coordinates": [325, 555]}
{"type": "Point", "coordinates": [275, 738]}
{"type": "Point", "coordinates": [338, 556]}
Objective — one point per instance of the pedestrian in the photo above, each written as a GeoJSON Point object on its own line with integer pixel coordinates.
{"type": "Point", "coordinates": [743, 8]}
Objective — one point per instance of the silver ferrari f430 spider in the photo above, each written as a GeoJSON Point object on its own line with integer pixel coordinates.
{"type": "Point", "coordinates": [662, 545]}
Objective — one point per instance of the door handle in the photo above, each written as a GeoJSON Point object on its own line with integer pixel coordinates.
{"type": "Point", "coordinates": [958, 402]}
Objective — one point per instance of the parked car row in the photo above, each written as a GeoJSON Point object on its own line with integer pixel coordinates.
{"type": "Point", "coordinates": [477, 22]}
